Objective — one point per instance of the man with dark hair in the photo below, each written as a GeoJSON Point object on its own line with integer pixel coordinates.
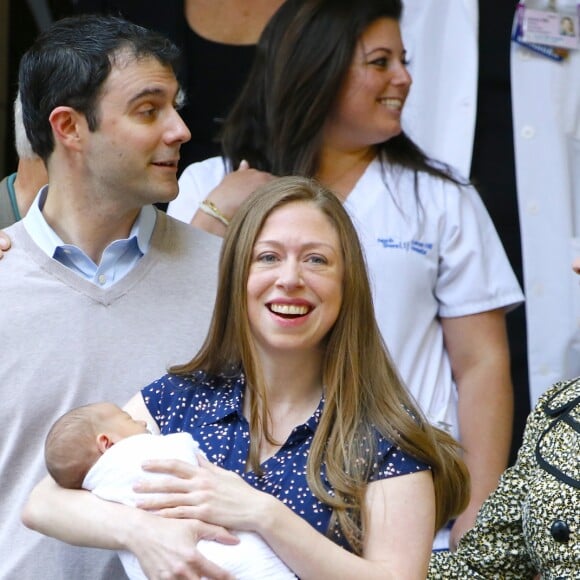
{"type": "Point", "coordinates": [100, 291]}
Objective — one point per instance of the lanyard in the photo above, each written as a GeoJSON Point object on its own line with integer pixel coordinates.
{"type": "Point", "coordinates": [12, 196]}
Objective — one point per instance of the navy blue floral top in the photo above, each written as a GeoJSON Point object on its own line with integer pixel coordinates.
{"type": "Point", "coordinates": [210, 408]}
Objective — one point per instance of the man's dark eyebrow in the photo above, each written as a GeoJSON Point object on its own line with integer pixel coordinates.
{"type": "Point", "coordinates": [147, 92]}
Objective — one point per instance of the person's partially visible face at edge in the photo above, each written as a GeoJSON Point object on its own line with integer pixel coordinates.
{"type": "Point", "coordinates": [567, 26]}
{"type": "Point", "coordinates": [139, 134]}
{"type": "Point", "coordinates": [369, 106]}
{"type": "Point", "coordinates": [294, 287]}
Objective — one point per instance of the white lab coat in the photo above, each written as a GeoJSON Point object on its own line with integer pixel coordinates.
{"type": "Point", "coordinates": [441, 41]}
{"type": "Point", "coordinates": [441, 38]}
{"type": "Point", "coordinates": [546, 114]}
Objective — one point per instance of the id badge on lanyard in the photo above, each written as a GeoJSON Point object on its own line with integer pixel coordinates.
{"type": "Point", "coordinates": [550, 27]}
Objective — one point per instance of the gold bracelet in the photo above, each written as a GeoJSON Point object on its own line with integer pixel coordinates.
{"type": "Point", "coordinates": [209, 208]}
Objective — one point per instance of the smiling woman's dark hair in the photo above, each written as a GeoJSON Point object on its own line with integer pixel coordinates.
{"type": "Point", "coordinates": [301, 63]}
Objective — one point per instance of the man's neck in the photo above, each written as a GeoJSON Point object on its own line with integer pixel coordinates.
{"type": "Point", "coordinates": [90, 227]}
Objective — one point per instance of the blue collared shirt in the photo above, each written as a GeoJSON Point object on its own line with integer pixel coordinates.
{"type": "Point", "coordinates": [118, 258]}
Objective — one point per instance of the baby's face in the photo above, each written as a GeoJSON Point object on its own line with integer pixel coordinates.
{"type": "Point", "coordinates": [121, 423]}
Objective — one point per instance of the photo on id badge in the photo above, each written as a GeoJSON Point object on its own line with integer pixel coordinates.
{"type": "Point", "coordinates": [551, 23]}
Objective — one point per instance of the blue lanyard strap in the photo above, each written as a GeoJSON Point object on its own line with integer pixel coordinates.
{"type": "Point", "coordinates": [12, 196]}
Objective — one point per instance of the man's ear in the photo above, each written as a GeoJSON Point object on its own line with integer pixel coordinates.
{"type": "Point", "coordinates": [104, 442]}
{"type": "Point", "coordinates": [67, 126]}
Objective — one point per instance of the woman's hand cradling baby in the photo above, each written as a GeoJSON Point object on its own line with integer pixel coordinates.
{"type": "Point", "coordinates": [206, 492]}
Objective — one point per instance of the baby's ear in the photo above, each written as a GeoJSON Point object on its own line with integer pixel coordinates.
{"type": "Point", "coordinates": [104, 442]}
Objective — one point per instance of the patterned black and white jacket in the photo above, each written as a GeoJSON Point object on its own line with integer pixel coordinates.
{"type": "Point", "coordinates": [531, 524]}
